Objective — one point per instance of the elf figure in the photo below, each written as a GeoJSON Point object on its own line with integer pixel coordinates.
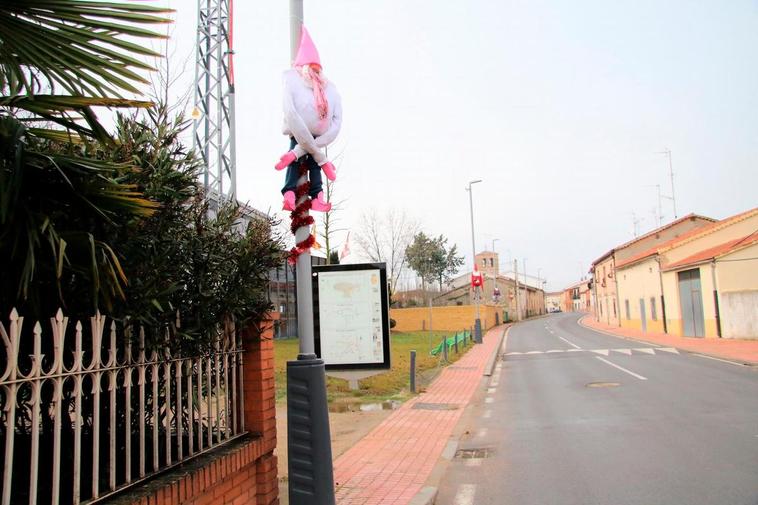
{"type": "Point", "coordinates": [312, 120]}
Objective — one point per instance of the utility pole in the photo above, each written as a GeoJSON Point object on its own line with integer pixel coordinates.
{"type": "Point", "coordinates": [311, 476]}
{"type": "Point", "coordinates": [478, 321]}
{"type": "Point", "coordinates": [526, 291]}
{"type": "Point", "coordinates": [518, 301]}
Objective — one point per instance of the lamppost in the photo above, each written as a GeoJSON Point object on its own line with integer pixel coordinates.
{"type": "Point", "coordinates": [477, 322]}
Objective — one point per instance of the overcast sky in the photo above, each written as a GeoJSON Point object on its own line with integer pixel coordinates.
{"type": "Point", "coordinates": [560, 107]}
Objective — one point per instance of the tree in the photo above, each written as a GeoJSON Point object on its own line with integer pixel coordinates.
{"type": "Point", "coordinates": [431, 260]}
{"type": "Point", "coordinates": [330, 219]}
{"type": "Point", "coordinates": [386, 238]}
{"type": "Point", "coordinates": [424, 257]}
{"type": "Point", "coordinates": [58, 198]}
{"type": "Point", "coordinates": [452, 262]}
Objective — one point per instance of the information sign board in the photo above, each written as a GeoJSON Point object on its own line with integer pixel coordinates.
{"type": "Point", "coordinates": [351, 316]}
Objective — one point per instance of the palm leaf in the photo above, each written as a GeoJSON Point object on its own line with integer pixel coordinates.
{"type": "Point", "coordinates": [64, 40]}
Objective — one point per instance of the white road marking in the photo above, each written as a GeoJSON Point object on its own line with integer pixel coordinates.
{"type": "Point", "coordinates": [465, 495]}
{"type": "Point", "coordinates": [628, 352]}
{"type": "Point", "coordinates": [614, 365]}
{"type": "Point", "coordinates": [574, 350]}
{"type": "Point", "coordinates": [667, 349]}
{"type": "Point", "coordinates": [473, 462]}
{"type": "Point", "coordinates": [489, 399]}
{"type": "Point", "coordinates": [604, 352]}
{"type": "Point", "coordinates": [718, 359]}
{"type": "Point", "coordinates": [570, 343]}
{"type": "Point", "coordinates": [490, 390]}
{"type": "Point", "coordinates": [487, 414]}
{"type": "Point", "coordinates": [646, 350]}
{"type": "Point", "coordinates": [534, 352]}
{"type": "Point", "coordinates": [482, 433]}
{"type": "Point", "coordinates": [555, 350]}
{"type": "Point", "coordinates": [513, 353]}
{"type": "Point", "coordinates": [494, 384]}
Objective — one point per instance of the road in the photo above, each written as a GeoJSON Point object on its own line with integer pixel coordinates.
{"type": "Point", "coordinates": [574, 416]}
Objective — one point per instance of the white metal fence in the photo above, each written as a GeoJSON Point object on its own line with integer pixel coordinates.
{"type": "Point", "coordinates": [83, 419]}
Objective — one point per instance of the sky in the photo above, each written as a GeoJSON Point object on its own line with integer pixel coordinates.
{"type": "Point", "coordinates": [560, 107]}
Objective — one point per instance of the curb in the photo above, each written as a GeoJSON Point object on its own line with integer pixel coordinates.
{"type": "Point", "coordinates": [730, 359]}
{"type": "Point", "coordinates": [428, 494]}
{"type": "Point", "coordinates": [490, 366]}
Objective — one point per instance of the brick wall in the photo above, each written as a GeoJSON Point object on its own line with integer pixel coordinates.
{"type": "Point", "coordinates": [448, 318]}
{"type": "Point", "coordinates": [242, 471]}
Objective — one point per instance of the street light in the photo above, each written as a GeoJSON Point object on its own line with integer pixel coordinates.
{"type": "Point", "coordinates": [477, 322]}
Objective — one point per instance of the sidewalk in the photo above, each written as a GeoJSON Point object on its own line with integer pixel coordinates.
{"type": "Point", "coordinates": [391, 464]}
{"type": "Point", "coordinates": [741, 350]}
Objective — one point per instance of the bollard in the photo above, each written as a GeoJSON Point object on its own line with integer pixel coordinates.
{"type": "Point", "coordinates": [456, 343]}
{"type": "Point", "coordinates": [413, 371]}
{"type": "Point", "coordinates": [444, 348]}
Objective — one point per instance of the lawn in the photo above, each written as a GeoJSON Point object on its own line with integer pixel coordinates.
{"type": "Point", "coordinates": [393, 384]}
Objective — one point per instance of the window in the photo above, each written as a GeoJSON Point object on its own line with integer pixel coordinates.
{"type": "Point", "coordinates": [492, 262]}
{"type": "Point", "coordinates": [484, 262]}
{"type": "Point", "coordinates": [626, 309]}
{"type": "Point", "coordinates": [653, 312]}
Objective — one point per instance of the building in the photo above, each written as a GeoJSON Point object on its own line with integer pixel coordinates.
{"type": "Point", "coordinates": [703, 283]}
{"type": "Point", "coordinates": [577, 297]}
{"type": "Point", "coordinates": [516, 299]}
{"type": "Point", "coordinates": [603, 269]}
{"type": "Point", "coordinates": [553, 301]}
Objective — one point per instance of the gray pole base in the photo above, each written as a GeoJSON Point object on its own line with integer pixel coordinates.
{"type": "Point", "coordinates": [478, 331]}
{"type": "Point", "coordinates": [311, 478]}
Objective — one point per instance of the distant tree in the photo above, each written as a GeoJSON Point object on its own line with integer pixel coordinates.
{"type": "Point", "coordinates": [451, 263]}
{"type": "Point", "coordinates": [386, 238]}
{"type": "Point", "coordinates": [330, 219]}
{"type": "Point", "coordinates": [431, 260]}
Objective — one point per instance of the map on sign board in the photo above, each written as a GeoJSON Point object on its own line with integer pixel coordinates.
{"type": "Point", "coordinates": [351, 328]}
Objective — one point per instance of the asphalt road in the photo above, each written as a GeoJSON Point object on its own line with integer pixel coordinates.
{"type": "Point", "coordinates": [574, 416]}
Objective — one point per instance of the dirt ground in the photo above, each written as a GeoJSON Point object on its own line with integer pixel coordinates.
{"type": "Point", "coordinates": [346, 428]}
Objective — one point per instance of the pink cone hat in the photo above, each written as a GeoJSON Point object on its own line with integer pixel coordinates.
{"type": "Point", "coordinates": [307, 54]}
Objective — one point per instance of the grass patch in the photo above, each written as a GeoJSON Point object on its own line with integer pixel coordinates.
{"type": "Point", "coordinates": [392, 384]}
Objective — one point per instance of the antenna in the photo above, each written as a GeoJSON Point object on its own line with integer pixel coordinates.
{"type": "Point", "coordinates": [667, 152]}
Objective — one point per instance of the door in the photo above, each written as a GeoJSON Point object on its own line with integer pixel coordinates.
{"type": "Point", "coordinates": [691, 301]}
{"type": "Point", "coordinates": [643, 318]}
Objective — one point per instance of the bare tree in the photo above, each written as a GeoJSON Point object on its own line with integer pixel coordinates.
{"type": "Point", "coordinates": [385, 238]}
{"type": "Point", "coordinates": [330, 219]}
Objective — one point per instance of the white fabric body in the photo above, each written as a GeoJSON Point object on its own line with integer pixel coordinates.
{"type": "Point", "coordinates": [301, 119]}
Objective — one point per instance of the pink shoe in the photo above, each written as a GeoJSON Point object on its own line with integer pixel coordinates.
{"type": "Point", "coordinates": [285, 160]}
{"type": "Point", "coordinates": [319, 205]}
{"type": "Point", "coordinates": [289, 201]}
{"type": "Point", "coordinates": [329, 172]}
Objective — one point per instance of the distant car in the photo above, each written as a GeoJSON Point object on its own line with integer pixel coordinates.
{"type": "Point", "coordinates": [553, 310]}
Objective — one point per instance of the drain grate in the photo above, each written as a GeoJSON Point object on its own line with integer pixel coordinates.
{"type": "Point", "coordinates": [435, 406]}
{"type": "Point", "coordinates": [603, 384]}
{"type": "Point", "coordinates": [480, 453]}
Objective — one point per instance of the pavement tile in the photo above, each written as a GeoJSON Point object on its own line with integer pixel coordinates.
{"type": "Point", "coordinates": [406, 446]}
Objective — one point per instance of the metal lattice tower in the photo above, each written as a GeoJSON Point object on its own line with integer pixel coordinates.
{"type": "Point", "coordinates": [214, 132]}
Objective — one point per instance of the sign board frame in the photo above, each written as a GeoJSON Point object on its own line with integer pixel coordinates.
{"type": "Point", "coordinates": [321, 308]}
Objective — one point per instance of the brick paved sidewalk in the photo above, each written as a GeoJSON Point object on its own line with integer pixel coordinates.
{"type": "Point", "coordinates": [743, 350]}
{"type": "Point", "coordinates": [391, 464]}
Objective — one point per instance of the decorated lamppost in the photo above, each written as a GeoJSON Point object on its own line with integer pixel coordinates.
{"type": "Point", "coordinates": [478, 321]}
{"type": "Point", "coordinates": [312, 120]}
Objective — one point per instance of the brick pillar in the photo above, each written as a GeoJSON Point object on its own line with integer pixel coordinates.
{"type": "Point", "coordinates": [260, 404]}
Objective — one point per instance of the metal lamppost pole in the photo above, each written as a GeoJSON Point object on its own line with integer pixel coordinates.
{"type": "Point", "coordinates": [478, 321]}
{"type": "Point", "coordinates": [311, 477]}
